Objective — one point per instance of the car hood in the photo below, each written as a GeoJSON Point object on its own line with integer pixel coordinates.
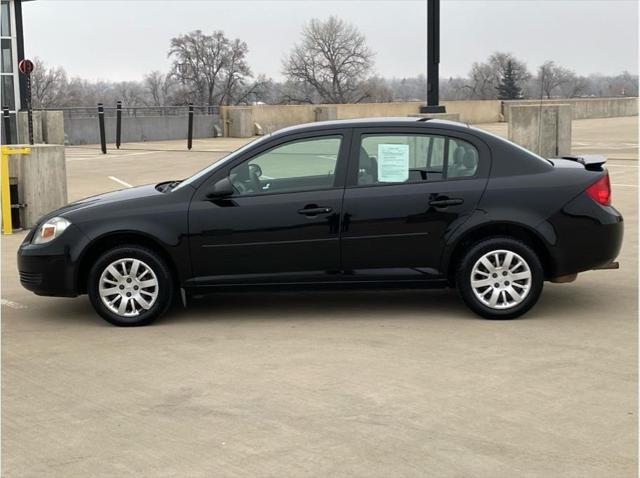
{"type": "Point", "coordinates": [108, 198]}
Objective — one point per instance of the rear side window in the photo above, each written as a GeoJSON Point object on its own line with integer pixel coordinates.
{"type": "Point", "coordinates": [414, 158]}
{"type": "Point", "coordinates": [462, 159]}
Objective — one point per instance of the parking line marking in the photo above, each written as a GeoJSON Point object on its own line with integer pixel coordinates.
{"type": "Point", "coordinates": [625, 185]}
{"type": "Point", "coordinates": [98, 155]}
{"type": "Point", "coordinates": [12, 304]}
{"type": "Point", "coordinates": [113, 178]}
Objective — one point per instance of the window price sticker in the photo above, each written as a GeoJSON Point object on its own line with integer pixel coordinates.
{"type": "Point", "coordinates": [393, 163]}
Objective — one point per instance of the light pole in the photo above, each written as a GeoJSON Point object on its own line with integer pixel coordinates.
{"type": "Point", "coordinates": [433, 59]}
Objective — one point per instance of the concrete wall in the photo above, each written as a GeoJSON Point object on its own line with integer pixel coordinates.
{"type": "Point", "coordinates": [275, 117]}
{"type": "Point", "coordinates": [476, 112]}
{"type": "Point", "coordinates": [240, 123]}
{"type": "Point", "coordinates": [544, 130]}
{"type": "Point", "coordinates": [42, 181]}
{"type": "Point", "coordinates": [23, 127]}
{"type": "Point", "coordinates": [48, 127]}
{"type": "Point", "coordinates": [141, 128]}
{"type": "Point", "coordinates": [585, 108]}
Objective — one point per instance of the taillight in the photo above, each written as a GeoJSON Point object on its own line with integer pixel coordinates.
{"type": "Point", "coordinates": [600, 191]}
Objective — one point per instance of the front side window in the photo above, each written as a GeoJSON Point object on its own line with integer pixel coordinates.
{"type": "Point", "coordinates": [414, 158]}
{"type": "Point", "coordinates": [301, 165]}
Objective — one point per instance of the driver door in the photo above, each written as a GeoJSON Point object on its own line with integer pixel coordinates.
{"type": "Point", "coordinates": [282, 223]}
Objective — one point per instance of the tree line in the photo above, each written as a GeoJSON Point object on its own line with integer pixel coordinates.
{"type": "Point", "coordinates": [331, 63]}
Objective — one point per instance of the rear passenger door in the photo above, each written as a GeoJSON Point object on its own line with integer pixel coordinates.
{"type": "Point", "coordinates": [407, 189]}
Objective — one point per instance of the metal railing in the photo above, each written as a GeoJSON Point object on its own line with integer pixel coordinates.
{"type": "Point", "coordinates": [134, 111]}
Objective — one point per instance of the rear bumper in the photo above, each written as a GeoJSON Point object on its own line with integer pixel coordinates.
{"type": "Point", "coordinates": [584, 236]}
{"type": "Point", "coordinates": [50, 269]}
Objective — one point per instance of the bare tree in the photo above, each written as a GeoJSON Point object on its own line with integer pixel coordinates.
{"type": "Point", "coordinates": [485, 78]}
{"type": "Point", "coordinates": [482, 82]}
{"type": "Point", "coordinates": [235, 73]}
{"type": "Point", "coordinates": [198, 60]}
{"type": "Point", "coordinates": [334, 59]}
{"type": "Point", "coordinates": [212, 67]}
{"type": "Point", "coordinates": [552, 77]}
{"type": "Point", "coordinates": [48, 85]}
{"type": "Point", "coordinates": [454, 89]}
{"type": "Point", "coordinates": [159, 88]}
{"type": "Point", "coordinates": [129, 92]}
{"type": "Point", "coordinates": [409, 89]}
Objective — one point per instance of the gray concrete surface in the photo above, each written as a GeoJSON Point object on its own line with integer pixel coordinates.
{"type": "Point", "coordinates": [80, 131]}
{"type": "Point", "coordinates": [42, 180]}
{"type": "Point", "coordinates": [240, 123]}
{"type": "Point", "coordinates": [584, 108]}
{"type": "Point", "coordinates": [53, 127]}
{"type": "Point", "coordinates": [544, 130]}
{"type": "Point", "coordinates": [48, 127]}
{"type": "Point", "coordinates": [404, 383]}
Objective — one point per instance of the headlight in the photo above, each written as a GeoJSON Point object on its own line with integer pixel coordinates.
{"type": "Point", "coordinates": [51, 229]}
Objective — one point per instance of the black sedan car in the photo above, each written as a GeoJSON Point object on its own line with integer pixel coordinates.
{"type": "Point", "coordinates": [385, 202]}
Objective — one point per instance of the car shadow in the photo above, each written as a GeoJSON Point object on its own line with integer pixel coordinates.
{"type": "Point", "coordinates": [323, 305]}
{"type": "Point", "coordinates": [556, 302]}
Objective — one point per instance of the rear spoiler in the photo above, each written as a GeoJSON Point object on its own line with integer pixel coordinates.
{"type": "Point", "coordinates": [593, 162]}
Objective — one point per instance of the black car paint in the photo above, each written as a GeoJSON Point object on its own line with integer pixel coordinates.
{"type": "Point", "coordinates": [380, 235]}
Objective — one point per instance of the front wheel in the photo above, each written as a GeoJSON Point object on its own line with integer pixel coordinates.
{"type": "Point", "coordinates": [500, 278]}
{"type": "Point", "coordinates": [130, 285]}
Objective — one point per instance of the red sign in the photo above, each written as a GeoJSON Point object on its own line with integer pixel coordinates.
{"type": "Point", "coordinates": [25, 67]}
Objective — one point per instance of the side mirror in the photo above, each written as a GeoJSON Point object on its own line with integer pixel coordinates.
{"type": "Point", "coordinates": [222, 188]}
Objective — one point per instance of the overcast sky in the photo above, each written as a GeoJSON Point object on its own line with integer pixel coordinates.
{"type": "Point", "coordinates": [124, 39]}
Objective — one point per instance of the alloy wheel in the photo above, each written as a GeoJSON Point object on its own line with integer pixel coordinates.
{"type": "Point", "coordinates": [128, 287]}
{"type": "Point", "coordinates": [501, 279]}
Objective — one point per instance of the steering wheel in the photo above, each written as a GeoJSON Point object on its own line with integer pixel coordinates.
{"type": "Point", "coordinates": [240, 187]}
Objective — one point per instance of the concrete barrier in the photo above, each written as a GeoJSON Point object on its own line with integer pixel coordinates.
{"type": "Point", "coordinates": [42, 181]}
{"type": "Point", "coordinates": [140, 128]}
{"type": "Point", "coordinates": [274, 117]}
{"type": "Point", "coordinates": [545, 130]}
{"type": "Point", "coordinates": [241, 123]}
{"type": "Point", "coordinates": [53, 127]}
{"type": "Point", "coordinates": [23, 127]}
{"type": "Point", "coordinates": [326, 113]}
{"type": "Point", "coordinates": [583, 108]}
{"type": "Point", "coordinates": [48, 127]}
{"type": "Point", "coordinates": [476, 112]}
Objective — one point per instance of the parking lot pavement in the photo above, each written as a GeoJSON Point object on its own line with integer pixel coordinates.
{"type": "Point", "coordinates": [402, 383]}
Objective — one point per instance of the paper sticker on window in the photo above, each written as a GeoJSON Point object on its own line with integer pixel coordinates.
{"type": "Point", "coordinates": [393, 163]}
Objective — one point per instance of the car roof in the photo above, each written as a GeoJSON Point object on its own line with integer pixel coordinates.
{"type": "Point", "coordinates": [373, 122]}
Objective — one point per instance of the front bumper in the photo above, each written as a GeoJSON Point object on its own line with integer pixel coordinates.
{"type": "Point", "coordinates": [51, 269]}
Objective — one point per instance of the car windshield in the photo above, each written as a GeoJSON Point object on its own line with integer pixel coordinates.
{"type": "Point", "coordinates": [212, 167]}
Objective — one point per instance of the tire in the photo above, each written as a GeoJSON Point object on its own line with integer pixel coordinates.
{"type": "Point", "coordinates": [500, 292]}
{"type": "Point", "coordinates": [133, 270]}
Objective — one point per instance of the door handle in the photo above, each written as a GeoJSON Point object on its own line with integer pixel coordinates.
{"type": "Point", "coordinates": [314, 211]}
{"type": "Point", "coordinates": [445, 202]}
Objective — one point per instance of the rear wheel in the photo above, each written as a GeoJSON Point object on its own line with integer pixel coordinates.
{"type": "Point", "coordinates": [500, 278]}
{"type": "Point", "coordinates": [130, 285]}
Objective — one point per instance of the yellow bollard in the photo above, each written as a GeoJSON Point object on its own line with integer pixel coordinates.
{"type": "Point", "coordinates": [7, 227]}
